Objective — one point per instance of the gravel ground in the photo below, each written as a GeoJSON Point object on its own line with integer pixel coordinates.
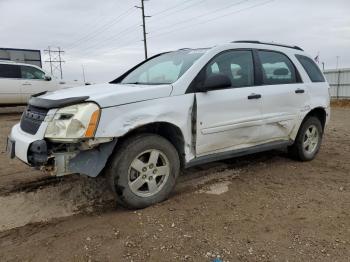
{"type": "Point", "coordinates": [263, 207]}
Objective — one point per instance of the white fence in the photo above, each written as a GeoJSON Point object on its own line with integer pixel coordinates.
{"type": "Point", "coordinates": [339, 80]}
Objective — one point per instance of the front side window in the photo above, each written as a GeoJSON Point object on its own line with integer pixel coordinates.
{"type": "Point", "coordinates": [236, 65]}
{"type": "Point", "coordinates": [28, 72]}
{"type": "Point", "coordinates": [163, 69]}
{"type": "Point", "coordinates": [311, 68]}
{"type": "Point", "coordinates": [277, 68]}
{"type": "Point", "coordinates": [9, 71]}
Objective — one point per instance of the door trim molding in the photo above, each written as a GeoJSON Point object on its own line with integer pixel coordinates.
{"type": "Point", "coordinates": [238, 152]}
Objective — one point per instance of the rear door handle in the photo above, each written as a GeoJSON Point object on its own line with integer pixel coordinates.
{"type": "Point", "coordinates": [299, 91]}
{"type": "Point", "coordinates": [254, 96]}
{"type": "Point", "coordinates": [26, 84]}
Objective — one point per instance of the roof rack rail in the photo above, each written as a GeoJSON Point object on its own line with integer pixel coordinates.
{"type": "Point", "coordinates": [7, 60]}
{"type": "Point", "coordinates": [266, 43]}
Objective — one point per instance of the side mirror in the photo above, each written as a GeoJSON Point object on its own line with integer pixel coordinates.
{"type": "Point", "coordinates": [216, 81]}
{"type": "Point", "coordinates": [47, 78]}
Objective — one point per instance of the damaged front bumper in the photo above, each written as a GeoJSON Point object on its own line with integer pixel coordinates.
{"type": "Point", "coordinates": [86, 157]}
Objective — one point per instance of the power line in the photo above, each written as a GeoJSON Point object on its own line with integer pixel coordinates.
{"type": "Point", "coordinates": [104, 44]}
{"type": "Point", "coordinates": [107, 40]}
{"type": "Point", "coordinates": [142, 7]}
{"type": "Point", "coordinates": [127, 44]}
{"type": "Point", "coordinates": [172, 7]}
{"type": "Point", "coordinates": [187, 7]}
{"type": "Point", "coordinates": [93, 23]}
{"type": "Point", "coordinates": [216, 18]}
{"type": "Point", "coordinates": [203, 15]}
{"type": "Point", "coordinates": [100, 29]}
{"type": "Point", "coordinates": [200, 22]}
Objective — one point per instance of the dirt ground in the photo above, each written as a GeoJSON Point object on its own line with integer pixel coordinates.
{"type": "Point", "coordinates": [264, 207]}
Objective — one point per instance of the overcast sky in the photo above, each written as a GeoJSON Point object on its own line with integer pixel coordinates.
{"type": "Point", "coordinates": [105, 36]}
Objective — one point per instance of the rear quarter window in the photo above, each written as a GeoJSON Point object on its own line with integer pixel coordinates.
{"type": "Point", "coordinates": [311, 68]}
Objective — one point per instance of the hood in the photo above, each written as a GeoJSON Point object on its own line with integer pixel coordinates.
{"type": "Point", "coordinates": [107, 95]}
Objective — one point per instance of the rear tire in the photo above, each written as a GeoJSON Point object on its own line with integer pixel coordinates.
{"type": "Point", "coordinates": [143, 171]}
{"type": "Point", "coordinates": [308, 140]}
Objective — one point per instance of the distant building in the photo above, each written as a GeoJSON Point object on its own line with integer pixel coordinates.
{"type": "Point", "coordinates": [27, 56]}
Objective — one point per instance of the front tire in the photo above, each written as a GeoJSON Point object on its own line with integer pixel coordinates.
{"type": "Point", "coordinates": [308, 140]}
{"type": "Point", "coordinates": [144, 171]}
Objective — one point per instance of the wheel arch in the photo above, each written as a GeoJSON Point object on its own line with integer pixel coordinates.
{"type": "Point", "coordinates": [169, 131]}
{"type": "Point", "coordinates": [320, 113]}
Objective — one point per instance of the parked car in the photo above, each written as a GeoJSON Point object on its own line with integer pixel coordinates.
{"type": "Point", "coordinates": [176, 110]}
{"type": "Point", "coordinates": [18, 82]}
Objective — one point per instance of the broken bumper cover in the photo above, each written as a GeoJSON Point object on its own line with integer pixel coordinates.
{"type": "Point", "coordinates": [39, 153]}
{"type": "Point", "coordinates": [22, 142]}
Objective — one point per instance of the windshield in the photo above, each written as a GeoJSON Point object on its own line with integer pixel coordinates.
{"type": "Point", "coordinates": [164, 69]}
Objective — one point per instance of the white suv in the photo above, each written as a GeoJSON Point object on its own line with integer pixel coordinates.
{"type": "Point", "coordinates": [18, 82]}
{"type": "Point", "coordinates": [175, 110]}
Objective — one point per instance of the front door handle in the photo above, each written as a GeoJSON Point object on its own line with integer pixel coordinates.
{"type": "Point", "coordinates": [254, 96]}
{"type": "Point", "coordinates": [26, 84]}
{"type": "Point", "coordinates": [299, 91]}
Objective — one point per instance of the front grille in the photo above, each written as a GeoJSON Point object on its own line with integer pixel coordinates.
{"type": "Point", "coordinates": [32, 118]}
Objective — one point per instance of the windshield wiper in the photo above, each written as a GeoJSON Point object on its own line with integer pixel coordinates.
{"type": "Point", "coordinates": [133, 83]}
{"type": "Point", "coordinates": [145, 83]}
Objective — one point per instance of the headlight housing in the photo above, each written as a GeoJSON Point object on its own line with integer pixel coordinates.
{"type": "Point", "coordinates": [74, 122]}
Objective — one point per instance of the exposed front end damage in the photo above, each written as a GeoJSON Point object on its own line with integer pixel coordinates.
{"type": "Point", "coordinates": [86, 157]}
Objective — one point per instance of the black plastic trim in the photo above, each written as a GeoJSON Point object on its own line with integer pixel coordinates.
{"type": "Point", "coordinates": [38, 153]}
{"type": "Point", "coordinates": [49, 104]}
{"type": "Point", "coordinates": [239, 152]}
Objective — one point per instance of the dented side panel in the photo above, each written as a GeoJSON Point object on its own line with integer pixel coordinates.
{"type": "Point", "coordinates": [177, 110]}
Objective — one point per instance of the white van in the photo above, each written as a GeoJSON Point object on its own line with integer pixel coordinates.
{"type": "Point", "coordinates": [18, 82]}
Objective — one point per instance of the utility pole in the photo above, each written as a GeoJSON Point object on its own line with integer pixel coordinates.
{"type": "Point", "coordinates": [50, 60]}
{"type": "Point", "coordinates": [142, 7]}
{"type": "Point", "coordinates": [55, 60]}
{"type": "Point", "coordinates": [82, 66]}
{"type": "Point", "coordinates": [60, 61]}
{"type": "Point", "coordinates": [337, 65]}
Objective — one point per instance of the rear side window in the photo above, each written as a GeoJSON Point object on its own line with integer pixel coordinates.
{"type": "Point", "coordinates": [9, 71]}
{"type": "Point", "coordinates": [277, 68]}
{"type": "Point", "coordinates": [311, 68]}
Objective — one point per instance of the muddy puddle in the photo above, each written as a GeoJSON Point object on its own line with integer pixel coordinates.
{"type": "Point", "coordinates": [51, 198]}
{"type": "Point", "coordinates": [55, 200]}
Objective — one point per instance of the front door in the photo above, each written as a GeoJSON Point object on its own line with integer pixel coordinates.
{"type": "Point", "coordinates": [229, 118]}
{"type": "Point", "coordinates": [33, 82]}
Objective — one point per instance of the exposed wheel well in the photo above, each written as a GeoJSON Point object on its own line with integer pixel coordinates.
{"type": "Point", "coordinates": [169, 131]}
{"type": "Point", "coordinates": [320, 113]}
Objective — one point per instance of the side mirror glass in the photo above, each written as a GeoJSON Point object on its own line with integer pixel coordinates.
{"type": "Point", "coordinates": [216, 81]}
{"type": "Point", "coordinates": [47, 78]}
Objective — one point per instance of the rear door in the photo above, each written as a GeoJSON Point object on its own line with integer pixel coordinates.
{"type": "Point", "coordinates": [33, 82]}
{"type": "Point", "coordinates": [229, 118]}
{"type": "Point", "coordinates": [10, 84]}
{"type": "Point", "coordinates": [284, 96]}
